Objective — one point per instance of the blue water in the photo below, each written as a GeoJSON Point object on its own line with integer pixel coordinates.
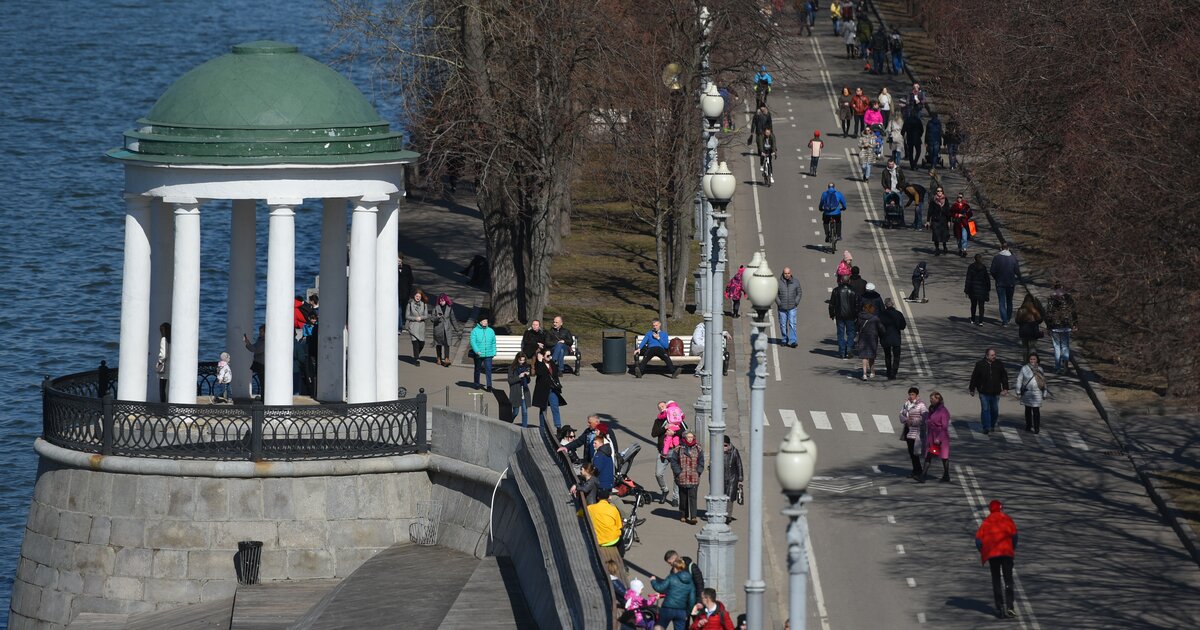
{"type": "Point", "coordinates": [73, 77]}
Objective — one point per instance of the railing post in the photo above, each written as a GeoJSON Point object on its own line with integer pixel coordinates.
{"type": "Point", "coordinates": [422, 405]}
{"type": "Point", "coordinates": [107, 427]}
{"type": "Point", "coordinates": [46, 428]}
{"type": "Point", "coordinates": [256, 433]}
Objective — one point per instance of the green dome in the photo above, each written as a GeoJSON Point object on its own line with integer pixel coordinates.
{"type": "Point", "coordinates": [263, 103]}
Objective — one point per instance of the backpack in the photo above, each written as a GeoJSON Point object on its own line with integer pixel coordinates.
{"type": "Point", "coordinates": [897, 45]}
{"type": "Point", "coordinates": [675, 347]}
{"type": "Point", "coordinates": [697, 576]}
{"type": "Point", "coordinates": [829, 202]}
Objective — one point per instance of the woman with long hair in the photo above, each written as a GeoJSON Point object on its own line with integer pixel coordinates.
{"type": "Point", "coordinates": [445, 328]}
{"type": "Point", "coordinates": [912, 417]}
{"type": "Point", "coordinates": [845, 110]}
{"type": "Point", "coordinates": [1031, 387]}
{"type": "Point", "coordinates": [868, 339]}
{"type": "Point", "coordinates": [937, 436]}
{"type": "Point", "coordinates": [1029, 324]}
{"type": "Point", "coordinates": [518, 388]}
{"type": "Point", "coordinates": [414, 319]}
{"type": "Point", "coordinates": [547, 391]}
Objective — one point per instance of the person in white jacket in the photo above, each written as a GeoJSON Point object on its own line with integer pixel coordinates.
{"type": "Point", "coordinates": [162, 365]}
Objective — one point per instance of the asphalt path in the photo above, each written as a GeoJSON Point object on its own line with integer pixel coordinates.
{"type": "Point", "coordinates": [888, 552]}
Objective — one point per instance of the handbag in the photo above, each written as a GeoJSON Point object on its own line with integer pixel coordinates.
{"type": "Point", "coordinates": [971, 227]}
{"type": "Point", "coordinates": [935, 448]}
{"type": "Point", "coordinates": [740, 494]}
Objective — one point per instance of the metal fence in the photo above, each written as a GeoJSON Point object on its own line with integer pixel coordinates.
{"type": "Point", "coordinates": [76, 417]}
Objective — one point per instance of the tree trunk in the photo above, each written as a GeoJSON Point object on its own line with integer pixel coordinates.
{"type": "Point", "coordinates": [683, 261]}
{"type": "Point", "coordinates": [498, 232]}
{"type": "Point", "coordinates": [660, 259]}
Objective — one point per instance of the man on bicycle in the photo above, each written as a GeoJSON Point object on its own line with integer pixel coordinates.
{"type": "Point", "coordinates": [767, 155]}
{"type": "Point", "coordinates": [762, 85]}
{"type": "Point", "coordinates": [832, 205]}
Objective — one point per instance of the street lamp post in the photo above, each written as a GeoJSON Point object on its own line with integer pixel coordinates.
{"type": "Point", "coordinates": [762, 288]}
{"type": "Point", "coordinates": [794, 467]}
{"type": "Point", "coordinates": [711, 105]}
{"type": "Point", "coordinates": [716, 539]}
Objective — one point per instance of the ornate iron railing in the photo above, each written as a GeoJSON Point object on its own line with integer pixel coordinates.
{"type": "Point", "coordinates": [76, 417]}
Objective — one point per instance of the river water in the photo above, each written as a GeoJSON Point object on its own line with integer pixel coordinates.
{"type": "Point", "coordinates": [74, 76]}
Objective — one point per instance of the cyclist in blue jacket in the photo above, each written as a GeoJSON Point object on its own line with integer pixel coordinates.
{"type": "Point", "coordinates": [832, 205]}
{"type": "Point", "coordinates": [762, 85]}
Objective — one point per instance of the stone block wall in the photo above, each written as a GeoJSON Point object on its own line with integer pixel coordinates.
{"type": "Point", "coordinates": [126, 543]}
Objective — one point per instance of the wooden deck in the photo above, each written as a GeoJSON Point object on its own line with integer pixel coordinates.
{"type": "Point", "coordinates": [276, 605]}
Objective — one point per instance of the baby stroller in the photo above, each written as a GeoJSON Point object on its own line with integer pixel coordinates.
{"type": "Point", "coordinates": [632, 493]}
{"type": "Point", "coordinates": [893, 214]}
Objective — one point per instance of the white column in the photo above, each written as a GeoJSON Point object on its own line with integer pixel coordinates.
{"type": "Point", "coordinates": [387, 315]}
{"type": "Point", "coordinates": [331, 341]}
{"type": "Point", "coordinates": [185, 304]}
{"type": "Point", "coordinates": [239, 301]}
{"type": "Point", "coordinates": [135, 301]}
{"type": "Point", "coordinates": [162, 282]}
{"type": "Point", "coordinates": [360, 359]}
{"type": "Point", "coordinates": [281, 295]}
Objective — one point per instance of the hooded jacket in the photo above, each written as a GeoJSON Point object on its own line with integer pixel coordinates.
{"type": "Point", "coordinates": [1005, 269]}
{"type": "Point", "coordinates": [718, 619]}
{"type": "Point", "coordinates": [997, 536]}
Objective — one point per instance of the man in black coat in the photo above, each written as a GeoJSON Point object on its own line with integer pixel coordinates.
{"type": "Point", "coordinates": [893, 323]}
{"type": "Point", "coordinates": [843, 310]}
{"type": "Point", "coordinates": [404, 285]}
{"type": "Point", "coordinates": [990, 379]}
{"type": "Point", "coordinates": [857, 283]}
{"type": "Point", "coordinates": [913, 132]}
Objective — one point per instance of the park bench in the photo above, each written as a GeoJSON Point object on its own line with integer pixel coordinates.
{"type": "Point", "coordinates": [507, 347]}
{"type": "Point", "coordinates": [686, 359]}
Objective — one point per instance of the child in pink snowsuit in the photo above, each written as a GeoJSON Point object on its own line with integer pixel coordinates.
{"type": "Point", "coordinates": [634, 603]}
{"type": "Point", "coordinates": [674, 426]}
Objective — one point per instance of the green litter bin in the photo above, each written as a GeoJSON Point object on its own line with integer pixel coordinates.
{"type": "Point", "coordinates": [612, 351]}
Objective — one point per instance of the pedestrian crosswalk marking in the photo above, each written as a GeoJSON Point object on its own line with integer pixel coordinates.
{"type": "Point", "coordinates": [788, 416]}
{"type": "Point", "coordinates": [1046, 441]}
{"type": "Point", "coordinates": [851, 420]}
{"type": "Point", "coordinates": [976, 430]}
{"type": "Point", "coordinates": [821, 420]}
{"type": "Point", "coordinates": [1075, 440]}
{"type": "Point", "coordinates": [953, 432]}
{"type": "Point", "coordinates": [882, 422]}
{"type": "Point", "coordinates": [1010, 434]}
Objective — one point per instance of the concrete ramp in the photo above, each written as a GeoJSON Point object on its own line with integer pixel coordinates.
{"type": "Point", "coordinates": [416, 584]}
{"type": "Point", "coordinates": [487, 599]}
{"type": "Point", "coordinates": [213, 615]}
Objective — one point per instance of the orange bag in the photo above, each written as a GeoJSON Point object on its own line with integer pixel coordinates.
{"type": "Point", "coordinates": [971, 227]}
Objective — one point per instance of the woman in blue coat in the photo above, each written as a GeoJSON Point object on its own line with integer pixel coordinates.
{"type": "Point", "coordinates": [679, 596]}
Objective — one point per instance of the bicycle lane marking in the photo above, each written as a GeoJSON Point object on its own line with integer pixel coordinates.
{"type": "Point", "coordinates": [920, 361]}
{"type": "Point", "coordinates": [762, 244]}
{"type": "Point", "coordinates": [978, 505]}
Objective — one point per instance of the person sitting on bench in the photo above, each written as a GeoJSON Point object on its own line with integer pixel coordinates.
{"type": "Point", "coordinates": [655, 343]}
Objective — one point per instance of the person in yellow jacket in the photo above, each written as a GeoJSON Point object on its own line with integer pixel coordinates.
{"type": "Point", "coordinates": [835, 14]}
{"type": "Point", "coordinates": [606, 522]}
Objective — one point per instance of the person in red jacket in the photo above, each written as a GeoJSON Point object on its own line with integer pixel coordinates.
{"type": "Point", "coordinates": [960, 216]}
{"type": "Point", "coordinates": [996, 540]}
{"type": "Point", "coordinates": [710, 614]}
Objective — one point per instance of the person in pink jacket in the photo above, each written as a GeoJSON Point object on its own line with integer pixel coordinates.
{"type": "Point", "coordinates": [937, 431]}
{"type": "Point", "coordinates": [735, 290]}
{"type": "Point", "coordinates": [845, 267]}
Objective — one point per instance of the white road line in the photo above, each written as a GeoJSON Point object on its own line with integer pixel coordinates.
{"type": "Point", "coordinates": [774, 346]}
{"type": "Point", "coordinates": [818, 592]}
{"type": "Point", "coordinates": [1045, 440]}
{"type": "Point", "coordinates": [975, 430]}
{"type": "Point", "coordinates": [875, 469]}
{"type": "Point", "coordinates": [788, 416]}
{"type": "Point", "coordinates": [920, 617]}
{"type": "Point", "coordinates": [900, 550]}
{"type": "Point", "coordinates": [820, 420]}
{"type": "Point", "coordinates": [891, 519]}
{"type": "Point", "coordinates": [883, 491]}
{"type": "Point", "coordinates": [920, 361]}
{"type": "Point", "coordinates": [911, 582]}
{"type": "Point", "coordinates": [1075, 440]}
{"type": "Point", "coordinates": [953, 432]}
{"type": "Point", "coordinates": [851, 420]}
{"type": "Point", "coordinates": [883, 423]}
{"type": "Point", "coordinates": [1010, 434]}
{"type": "Point", "coordinates": [822, 258]}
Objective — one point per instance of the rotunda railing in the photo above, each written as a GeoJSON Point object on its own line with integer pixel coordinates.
{"type": "Point", "coordinates": [77, 417]}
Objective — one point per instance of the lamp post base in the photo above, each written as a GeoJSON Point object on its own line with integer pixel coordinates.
{"type": "Point", "coordinates": [716, 559]}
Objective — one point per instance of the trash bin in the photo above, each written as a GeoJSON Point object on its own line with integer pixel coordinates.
{"type": "Point", "coordinates": [249, 559]}
{"type": "Point", "coordinates": [612, 351]}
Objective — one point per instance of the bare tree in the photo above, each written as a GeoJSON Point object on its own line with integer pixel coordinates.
{"type": "Point", "coordinates": [1088, 108]}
